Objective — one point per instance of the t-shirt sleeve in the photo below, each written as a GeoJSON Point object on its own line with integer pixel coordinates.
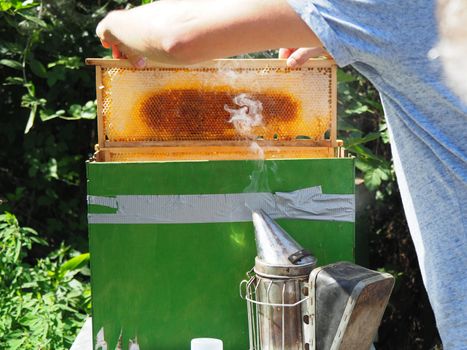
{"type": "Point", "coordinates": [349, 30]}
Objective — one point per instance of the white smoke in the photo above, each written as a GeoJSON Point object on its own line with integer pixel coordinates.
{"type": "Point", "coordinates": [247, 117]}
{"type": "Point", "coordinates": [257, 149]}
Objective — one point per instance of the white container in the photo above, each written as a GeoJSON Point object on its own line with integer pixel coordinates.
{"type": "Point", "coordinates": [206, 344]}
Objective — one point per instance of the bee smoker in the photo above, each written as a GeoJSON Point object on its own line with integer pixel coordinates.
{"type": "Point", "coordinates": [276, 292]}
{"type": "Point", "coordinates": [293, 305]}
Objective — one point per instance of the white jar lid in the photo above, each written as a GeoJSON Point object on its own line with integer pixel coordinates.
{"type": "Point", "coordinates": [206, 344]}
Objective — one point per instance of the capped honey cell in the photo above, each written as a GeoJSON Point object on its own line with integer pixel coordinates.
{"type": "Point", "coordinates": [196, 103]}
{"type": "Point", "coordinates": [190, 114]}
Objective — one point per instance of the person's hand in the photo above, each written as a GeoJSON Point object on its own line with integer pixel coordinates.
{"type": "Point", "coordinates": [297, 57]}
{"type": "Point", "coordinates": [108, 30]}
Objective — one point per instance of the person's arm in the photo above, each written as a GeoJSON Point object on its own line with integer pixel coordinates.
{"type": "Point", "coordinates": [190, 31]}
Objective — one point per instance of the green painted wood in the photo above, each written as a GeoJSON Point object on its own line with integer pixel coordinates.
{"type": "Point", "coordinates": [100, 209]}
{"type": "Point", "coordinates": [169, 283]}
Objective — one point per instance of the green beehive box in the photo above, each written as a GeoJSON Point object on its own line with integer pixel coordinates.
{"type": "Point", "coordinates": [169, 283]}
{"type": "Point", "coordinates": [169, 273]}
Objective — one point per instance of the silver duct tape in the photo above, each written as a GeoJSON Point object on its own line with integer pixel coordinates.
{"type": "Point", "coordinates": [110, 202]}
{"type": "Point", "coordinates": [307, 203]}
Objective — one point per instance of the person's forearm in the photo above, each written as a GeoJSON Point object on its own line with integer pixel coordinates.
{"type": "Point", "coordinates": [184, 31]}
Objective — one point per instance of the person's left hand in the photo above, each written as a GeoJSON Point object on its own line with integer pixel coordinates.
{"type": "Point", "coordinates": [297, 57]}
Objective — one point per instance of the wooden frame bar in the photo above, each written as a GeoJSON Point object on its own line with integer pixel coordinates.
{"type": "Point", "coordinates": [247, 143]}
{"type": "Point", "coordinates": [100, 121]}
{"type": "Point", "coordinates": [220, 63]}
{"type": "Point", "coordinates": [213, 153]}
{"type": "Point", "coordinates": [333, 131]}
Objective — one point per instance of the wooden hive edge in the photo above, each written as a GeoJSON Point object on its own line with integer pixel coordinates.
{"type": "Point", "coordinates": [241, 143]}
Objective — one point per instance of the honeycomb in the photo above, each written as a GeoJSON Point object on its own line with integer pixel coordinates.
{"type": "Point", "coordinates": [198, 103]}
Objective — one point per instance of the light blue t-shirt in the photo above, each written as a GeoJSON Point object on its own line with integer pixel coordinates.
{"type": "Point", "coordinates": [389, 41]}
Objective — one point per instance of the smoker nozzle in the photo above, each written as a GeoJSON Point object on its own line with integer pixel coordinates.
{"type": "Point", "coordinates": [275, 247]}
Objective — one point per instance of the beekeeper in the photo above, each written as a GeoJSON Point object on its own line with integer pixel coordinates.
{"type": "Point", "coordinates": [389, 42]}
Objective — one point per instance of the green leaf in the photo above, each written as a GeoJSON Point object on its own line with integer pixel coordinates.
{"type": "Point", "coordinates": [33, 19]}
{"type": "Point", "coordinates": [10, 48]}
{"type": "Point", "coordinates": [14, 81]}
{"type": "Point", "coordinates": [55, 74]}
{"type": "Point", "coordinates": [12, 64]}
{"type": "Point", "coordinates": [74, 263]}
{"type": "Point", "coordinates": [365, 152]}
{"type": "Point", "coordinates": [358, 109]}
{"type": "Point", "coordinates": [88, 111]}
{"type": "Point", "coordinates": [376, 104]}
{"type": "Point", "coordinates": [17, 4]}
{"type": "Point", "coordinates": [372, 179]}
{"type": "Point", "coordinates": [17, 251]}
{"type": "Point", "coordinates": [75, 110]}
{"type": "Point", "coordinates": [71, 62]}
{"type": "Point", "coordinates": [15, 343]}
{"type": "Point", "coordinates": [343, 77]}
{"type": "Point", "coordinates": [32, 116]}
{"type": "Point", "coordinates": [28, 4]}
{"type": "Point", "coordinates": [5, 5]}
{"type": "Point", "coordinates": [384, 173]}
{"type": "Point", "coordinates": [360, 140]}
{"type": "Point", "coordinates": [31, 89]}
{"type": "Point", "coordinates": [344, 125]}
{"type": "Point", "coordinates": [52, 169]}
{"type": "Point", "coordinates": [363, 165]}
{"type": "Point", "coordinates": [46, 114]}
{"type": "Point", "coordinates": [38, 68]}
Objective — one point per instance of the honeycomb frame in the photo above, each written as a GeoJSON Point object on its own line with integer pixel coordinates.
{"type": "Point", "coordinates": [305, 95]}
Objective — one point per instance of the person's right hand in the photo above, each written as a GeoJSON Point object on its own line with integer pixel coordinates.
{"type": "Point", "coordinates": [109, 31]}
{"type": "Point", "coordinates": [297, 57]}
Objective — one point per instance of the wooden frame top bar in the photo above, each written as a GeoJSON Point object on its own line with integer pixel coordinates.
{"type": "Point", "coordinates": [219, 63]}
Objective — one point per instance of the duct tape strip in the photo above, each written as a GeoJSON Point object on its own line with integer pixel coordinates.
{"type": "Point", "coordinates": [308, 204]}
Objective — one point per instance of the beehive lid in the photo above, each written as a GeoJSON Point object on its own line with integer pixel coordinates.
{"type": "Point", "coordinates": [217, 104]}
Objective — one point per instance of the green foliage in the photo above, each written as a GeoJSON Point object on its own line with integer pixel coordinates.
{"type": "Point", "coordinates": [49, 93]}
{"type": "Point", "coordinates": [359, 106]}
{"type": "Point", "coordinates": [36, 68]}
{"type": "Point", "coordinates": [43, 302]}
